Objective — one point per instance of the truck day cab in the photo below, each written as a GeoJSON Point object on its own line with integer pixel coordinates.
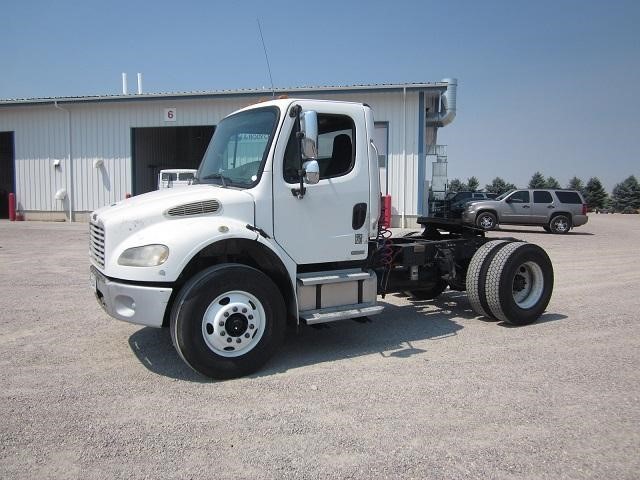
{"type": "Point", "coordinates": [282, 228]}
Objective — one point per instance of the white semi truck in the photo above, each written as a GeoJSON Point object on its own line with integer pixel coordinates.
{"type": "Point", "coordinates": [281, 228]}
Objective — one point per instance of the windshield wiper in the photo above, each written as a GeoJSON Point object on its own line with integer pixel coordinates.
{"type": "Point", "coordinates": [218, 175]}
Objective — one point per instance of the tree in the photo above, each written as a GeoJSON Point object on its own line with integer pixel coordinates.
{"type": "Point", "coordinates": [626, 195]}
{"type": "Point", "coordinates": [595, 194]}
{"type": "Point", "coordinates": [473, 183]}
{"type": "Point", "coordinates": [551, 183]}
{"type": "Point", "coordinates": [576, 184]}
{"type": "Point", "coordinates": [499, 186]}
{"type": "Point", "coordinates": [455, 185]}
{"type": "Point", "coordinates": [537, 181]}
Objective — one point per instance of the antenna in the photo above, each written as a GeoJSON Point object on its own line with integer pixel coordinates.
{"type": "Point", "coordinates": [273, 91]}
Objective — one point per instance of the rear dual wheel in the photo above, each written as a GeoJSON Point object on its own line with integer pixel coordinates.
{"type": "Point", "coordinates": [510, 281]}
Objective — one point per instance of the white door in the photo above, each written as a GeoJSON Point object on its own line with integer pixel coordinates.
{"type": "Point", "coordinates": [330, 223]}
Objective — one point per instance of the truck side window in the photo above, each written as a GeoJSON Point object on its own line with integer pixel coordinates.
{"type": "Point", "coordinates": [336, 148]}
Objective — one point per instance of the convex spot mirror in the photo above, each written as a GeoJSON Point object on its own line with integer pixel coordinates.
{"type": "Point", "coordinates": [309, 129]}
{"type": "Point", "coordinates": [311, 172]}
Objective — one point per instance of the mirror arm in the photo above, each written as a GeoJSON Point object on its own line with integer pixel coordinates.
{"type": "Point", "coordinates": [302, 190]}
{"type": "Point", "coordinates": [299, 192]}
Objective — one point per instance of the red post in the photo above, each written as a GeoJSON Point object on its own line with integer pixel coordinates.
{"type": "Point", "coordinates": [12, 207]}
{"type": "Point", "coordinates": [385, 214]}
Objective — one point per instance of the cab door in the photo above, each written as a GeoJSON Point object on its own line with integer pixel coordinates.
{"type": "Point", "coordinates": [330, 222]}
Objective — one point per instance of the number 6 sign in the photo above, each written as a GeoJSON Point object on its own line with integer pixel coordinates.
{"type": "Point", "coordinates": [170, 114]}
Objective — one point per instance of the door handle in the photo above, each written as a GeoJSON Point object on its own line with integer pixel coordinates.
{"type": "Point", "coordinates": [526, 206]}
{"type": "Point", "coordinates": [551, 206]}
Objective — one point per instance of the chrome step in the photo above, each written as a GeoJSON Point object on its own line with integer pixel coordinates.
{"type": "Point", "coordinates": [333, 314]}
{"type": "Point", "coordinates": [337, 276]}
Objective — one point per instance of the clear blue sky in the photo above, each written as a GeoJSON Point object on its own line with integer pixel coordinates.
{"type": "Point", "coordinates": [544, 85]}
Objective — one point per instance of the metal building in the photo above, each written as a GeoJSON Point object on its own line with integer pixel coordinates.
{"type": "Point", "coordinates": [65, 157]}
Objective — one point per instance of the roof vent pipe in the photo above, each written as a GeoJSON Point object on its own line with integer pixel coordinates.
{"type": "Point", "coordinates": [448, 109]}
{"type": "Point", "coordinates": [124, 83]}
{"type": "Point", "coordinates": [139, 84]}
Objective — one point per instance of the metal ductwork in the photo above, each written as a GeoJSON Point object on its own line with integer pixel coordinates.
{"type": "Point", "coordinates": [447, 105]}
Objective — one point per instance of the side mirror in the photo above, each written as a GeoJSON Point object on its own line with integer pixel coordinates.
{"type": "Point", "coordinates": [309, 129]}
{"type": "Point", "coordinates": [311, 172]}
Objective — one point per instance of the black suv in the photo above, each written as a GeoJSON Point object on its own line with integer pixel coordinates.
{"type": "Point", "coordinates": [455, 202]}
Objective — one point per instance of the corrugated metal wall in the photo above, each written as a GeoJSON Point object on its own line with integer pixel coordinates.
{"type": "Point", "coordinates": [102, 131]}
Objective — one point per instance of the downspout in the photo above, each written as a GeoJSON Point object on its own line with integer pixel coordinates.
{"type": "Point", "coordinates": [404, 154]}
{"type": "Point", "coordinates": [69, 163]}
{"type": "Point", "coordinates": [448, 105]}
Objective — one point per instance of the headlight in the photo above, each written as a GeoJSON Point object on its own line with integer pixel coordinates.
{"type": "Point", "coordinates": [147, 256]}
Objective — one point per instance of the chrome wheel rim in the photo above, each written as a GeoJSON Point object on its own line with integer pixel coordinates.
{"type": "Point", "coordinates": [561, 225]}
{"type": "Point", "coordinates": [233, 323]}
{"type": "Point", "coordinates": [528, 285]}
{"type": "Point", "coordinates": [486, 222]}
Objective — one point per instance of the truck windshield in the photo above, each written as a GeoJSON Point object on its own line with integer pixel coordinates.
{"type": "Point", "coordinates": [237, 152]}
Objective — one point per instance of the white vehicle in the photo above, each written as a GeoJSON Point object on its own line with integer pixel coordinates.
{"type": "Point", "coordinates": [282, 228]}
{"type": "Point", "coordinates": [176, 177]}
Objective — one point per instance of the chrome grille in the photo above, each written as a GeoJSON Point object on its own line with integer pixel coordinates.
{"type": "Point", "coordinates": [96, 242]}
{"type": "Point", "coordinates": [195, 208]}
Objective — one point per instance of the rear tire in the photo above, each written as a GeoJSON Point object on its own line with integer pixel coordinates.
{"type": "Point", "coordinates": [560, 224]}
{"type": "Point", "coordinates": [519, 283]}
{"type": "Point", "coordinates": [227, 321]}
{"type": "Point", "coordinates": [476, 276]}
{"type": "Point", "coordinates": [486, 221]}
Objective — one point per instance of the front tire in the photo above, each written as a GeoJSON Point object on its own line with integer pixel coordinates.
{"type": "Point", "coordinates": [486, 221]}
{"type": "Point", "coordinates": [227, 321]}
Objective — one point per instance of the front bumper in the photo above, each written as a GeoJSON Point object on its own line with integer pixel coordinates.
{"type": "Point", "coordinates": [138, 304]}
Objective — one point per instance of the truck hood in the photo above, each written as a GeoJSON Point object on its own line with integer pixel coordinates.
{"type": "Point", "coordinates": [168, 217]}
{"type": "Point", "coordinates": [157, 204]}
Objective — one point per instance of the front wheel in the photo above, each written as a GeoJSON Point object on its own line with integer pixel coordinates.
{"type": "Point", "coordinates": [486, 221]}
{"type": "Point", "coordinates": [227, 321]}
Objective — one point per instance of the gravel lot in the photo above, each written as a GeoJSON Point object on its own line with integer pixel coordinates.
{"type": "Point", "coordinates": [425, 390]}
